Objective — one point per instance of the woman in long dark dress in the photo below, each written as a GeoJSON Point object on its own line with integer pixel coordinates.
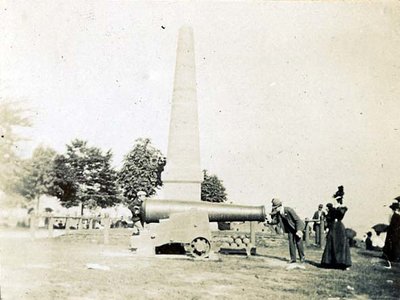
{"type": "Point", "coordinates": [391, 250]}
{"type": "Point", "coordinates": [337, 249]}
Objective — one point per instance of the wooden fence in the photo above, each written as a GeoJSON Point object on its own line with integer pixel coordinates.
{"type": "Point", "coordinates": [80, 223]}
{"type": "Point", "coordinates": [72, 224]}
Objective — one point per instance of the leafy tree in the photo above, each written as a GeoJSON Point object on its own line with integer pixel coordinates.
{"type": "Point", "coordinates": [12, 117]}
{"type": "Point", "coordinates": [64, 186]}
{"type": "Point", "coordinates": [141, 170]}
{"type": "Point", "coordinates": [36, 177]}
{"type": "Point", "coordinates": [212, 189]}
{"type": "Point", "coordinates": [85, 175]}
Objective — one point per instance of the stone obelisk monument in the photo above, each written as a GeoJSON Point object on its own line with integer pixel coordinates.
{"type": "Point", "coordinates": [182, 176]}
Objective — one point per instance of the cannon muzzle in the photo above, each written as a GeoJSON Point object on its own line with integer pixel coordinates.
{"type": "Point", "coordinates": [152, 211]}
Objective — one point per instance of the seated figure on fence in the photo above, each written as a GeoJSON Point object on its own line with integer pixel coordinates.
{"type": "Point", "coordinates": [136, 204]}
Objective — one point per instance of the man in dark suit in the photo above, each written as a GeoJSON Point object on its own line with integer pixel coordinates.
{"type": "Point", "coordinates": [318, 215]}
{"type": "Point", "coordinates": [292, 225]}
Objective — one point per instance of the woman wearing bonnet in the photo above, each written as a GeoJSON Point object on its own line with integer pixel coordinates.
{"type": "Point", "coordinates": [391, 250]}
{"type": "Point", "coordinates": [337, 249]}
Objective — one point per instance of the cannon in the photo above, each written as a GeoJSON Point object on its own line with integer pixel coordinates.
{"type": "Point", "coordinates": [187, 224]}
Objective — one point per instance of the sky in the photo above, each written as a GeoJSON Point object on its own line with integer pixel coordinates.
{"type": "Point", "coordinates": [294, 98]}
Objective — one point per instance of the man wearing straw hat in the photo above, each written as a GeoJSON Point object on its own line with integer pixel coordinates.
{"type": "Point", "coordinates": [318, 216]}
{"type": "Point", "coordinates": [292, 225]}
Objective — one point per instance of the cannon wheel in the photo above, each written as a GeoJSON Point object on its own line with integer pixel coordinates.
{"type": "Point", "coordinates": [200, 247]}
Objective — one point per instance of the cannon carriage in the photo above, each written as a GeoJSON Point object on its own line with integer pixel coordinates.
{"type": "Point", "coordinates": [187, 224]}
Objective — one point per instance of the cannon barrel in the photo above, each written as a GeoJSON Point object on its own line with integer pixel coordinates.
{"type": "Point", "coordinates": [152, 211]}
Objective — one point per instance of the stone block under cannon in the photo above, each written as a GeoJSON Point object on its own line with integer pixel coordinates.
{"type": "Point", "coordinates": [186, 224]}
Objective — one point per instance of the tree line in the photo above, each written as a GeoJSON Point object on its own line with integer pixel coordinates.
{"type": "Point", "coordinates": [84, 174]}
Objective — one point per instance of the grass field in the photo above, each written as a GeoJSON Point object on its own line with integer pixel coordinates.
{"type": "Point", "coordinates": [57, 269]}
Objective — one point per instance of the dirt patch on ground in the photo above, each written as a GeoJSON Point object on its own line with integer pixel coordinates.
{"type": "Point", "coordinates": [57, 269]}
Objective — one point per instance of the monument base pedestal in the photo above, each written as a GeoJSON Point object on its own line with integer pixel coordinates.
{"type": "Point", "coordinates": [185, 191]}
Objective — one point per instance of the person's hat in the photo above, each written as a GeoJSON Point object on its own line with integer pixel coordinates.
{"type": "Point", "coordinates": [395, 205]}
{"type": "Point", "coordinates": [397, 198]}
{"type": "Point", "coordinates": [339, 193]}
{"type": "Point", "coordinates": [329, 205]}
{"type": "Point", "coordinates": [276, 203]}
{"type": "Point", "coordinates": [141, 193]}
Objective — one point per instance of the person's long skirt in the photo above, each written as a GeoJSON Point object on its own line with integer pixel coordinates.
{"type": "Point", "coordinates": [337, 249]}
{"type": "Point", "coordinates": [391, 250]}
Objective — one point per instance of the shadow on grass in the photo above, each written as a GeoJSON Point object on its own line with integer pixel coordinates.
{"type": "Point", "coordinates": [309, 262]}
{"type": "Point", "coordinates": [273, 257]}
{"type": "Point", "coordinates": [369, 253]}
{"type": "Point", "coordinates": [315, 264]}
